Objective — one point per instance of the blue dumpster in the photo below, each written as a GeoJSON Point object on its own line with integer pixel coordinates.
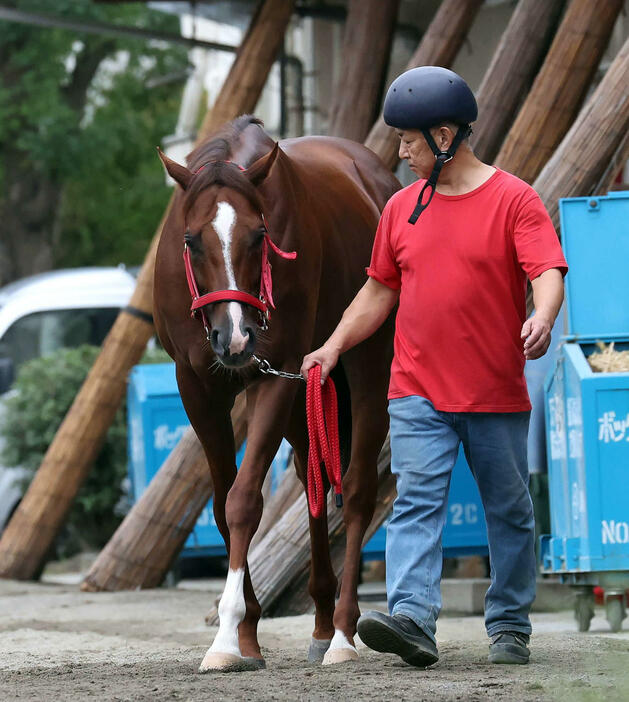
{"type": "Point", "coordinates": [587, 413]}
{"type": "Point", "coordinates": [156, 422]}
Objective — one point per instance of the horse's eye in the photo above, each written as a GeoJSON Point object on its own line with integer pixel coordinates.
{"type": "Point", "coordinates": [257, 235]}
{"type": "Point", "coordinates": [193, 241]}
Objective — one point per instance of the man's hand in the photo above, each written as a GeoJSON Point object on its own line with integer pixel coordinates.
{"type": "Point", "coordinates": [536, 334]}
{"type": "Point", "coordinates": [326, 357]}
{"type": "Point", "coordinates": [547, 299]}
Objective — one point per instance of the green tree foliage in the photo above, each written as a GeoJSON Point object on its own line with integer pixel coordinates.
{"type": "Point", "coordinates": [43, 392]}
{"type": "Point", "coordinates": [80, 183]}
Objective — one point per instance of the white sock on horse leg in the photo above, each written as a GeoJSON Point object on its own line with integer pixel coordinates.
{"type": "Point", "coordinates": [231, 611]}
{"type": "Point", "coordinates": [340, 651]}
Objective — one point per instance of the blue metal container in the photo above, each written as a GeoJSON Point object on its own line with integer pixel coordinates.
{"type": "Point", "coordinates": [587, 413]}
{"type": "Point", "coordinates": [156, 422]}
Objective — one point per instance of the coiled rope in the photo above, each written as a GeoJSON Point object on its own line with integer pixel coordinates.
{"type": "Point", "coordinates": [323, 436]}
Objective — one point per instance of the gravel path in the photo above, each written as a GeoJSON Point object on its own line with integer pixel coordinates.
{"type": "Point", "coordinates": [57, 643]}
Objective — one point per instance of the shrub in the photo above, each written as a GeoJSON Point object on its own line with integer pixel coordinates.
{"type": "Point", "coordinates": [43, 392]}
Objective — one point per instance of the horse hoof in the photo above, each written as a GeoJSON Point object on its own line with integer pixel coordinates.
{"type": "Point", "coordinates": [317, 649]}
{"type": "Point", "coordinates": [215, 662]}
{"type": "Point", "coordinates": [340, 655]}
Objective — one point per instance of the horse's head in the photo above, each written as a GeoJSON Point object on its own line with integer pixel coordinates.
{"type": "Point", "coordinates": [224, 234]}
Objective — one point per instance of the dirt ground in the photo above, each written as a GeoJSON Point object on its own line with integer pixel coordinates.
{"type": "Point", "coordinates": [57, 643]}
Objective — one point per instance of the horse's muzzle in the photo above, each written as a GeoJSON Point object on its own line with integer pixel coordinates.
{"type": "Point", "coordinates": [233, 351]}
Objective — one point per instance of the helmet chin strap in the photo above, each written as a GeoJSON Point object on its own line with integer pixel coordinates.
{"type": "Point", "coordinates": [441, 157]}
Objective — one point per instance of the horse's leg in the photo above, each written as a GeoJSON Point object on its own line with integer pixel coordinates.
{"type": "Point", "coordinates": [211, 420]}
{"type": "Point", "coordinates": [360, 484]}
{"type": "Point", "coordinates": [322, 582]}
{"type": "Point", "coordinates": [236, 645]}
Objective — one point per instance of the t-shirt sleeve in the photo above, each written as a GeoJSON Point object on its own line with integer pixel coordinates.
{"type": "Point", "coordinates": [536, 241]}
{"type": "Point", "coordinates": [383, 266]}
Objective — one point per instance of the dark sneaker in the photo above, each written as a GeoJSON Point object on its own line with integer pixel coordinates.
{"type": "Point", "coordinates": [509, 647]}
{"type": "Point", "coordinates": [397, 634]}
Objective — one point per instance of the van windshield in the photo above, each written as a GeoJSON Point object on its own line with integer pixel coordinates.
{"type": "Point", "coordinates": [42, 333]}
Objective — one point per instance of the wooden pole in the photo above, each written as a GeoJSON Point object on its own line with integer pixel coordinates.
{"type": "Point", "coordinates": [592, 143]}
{"type": "Point", "coordinates": [511, 72]}
{"type": "Point", "coordinates": [619, 159]}
{"type": "Point", "coordinates": [144, 546]}
{"type": "Point", "coordinates": [32, 529]}
{"type": "Point", "coordinates": [438, 47]}
{"type": "Point", "coordinates": [559, 88]}
{"type": "Point", "coordinates": [366, 47]}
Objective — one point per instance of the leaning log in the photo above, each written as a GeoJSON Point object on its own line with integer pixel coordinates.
{"type": "Point", "coordinates": [366, 47]}
{"type": "Point", "coordinates": [36, 522]}
{"type": "Point", "coordinates": [510, 74]}
{"type": "Point", "coordinates": [591, 144]}
{"type": "Point", "coordinates": [559, 88]}
{"type": "Point", "coordinates": [438, 47]}
{"type": "Point", "coordinates": [620, 157]}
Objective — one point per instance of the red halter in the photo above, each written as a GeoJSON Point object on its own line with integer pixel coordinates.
{"type": "Point", "coordinates": [261, 303]}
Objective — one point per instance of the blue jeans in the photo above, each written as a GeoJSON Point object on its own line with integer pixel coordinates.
{"type": "Point", "coordinates": [424, 448]}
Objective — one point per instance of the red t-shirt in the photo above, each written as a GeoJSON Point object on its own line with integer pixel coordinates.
{"type": "Point", "coordinates": [461, 271]}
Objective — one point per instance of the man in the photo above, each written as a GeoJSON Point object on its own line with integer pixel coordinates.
{"type": "Point", "coordinates": [455, 252]}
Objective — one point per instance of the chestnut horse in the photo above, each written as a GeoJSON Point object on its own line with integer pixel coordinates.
{"type": "Point", "coordinates": [320, 197]}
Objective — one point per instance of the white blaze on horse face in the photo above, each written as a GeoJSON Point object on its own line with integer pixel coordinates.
{"type": "Point", "coordinates": [231, 611]}
{"type": "Point", "coordinates": [223, 224]}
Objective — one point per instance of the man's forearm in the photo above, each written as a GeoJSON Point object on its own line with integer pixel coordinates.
{"type": "Point", "coordinates": [548, 294]}
{"type": "Point", "coordinates": [364, 316]}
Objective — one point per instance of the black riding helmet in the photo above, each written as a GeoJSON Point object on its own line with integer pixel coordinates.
{"type": "Point", "coordinates": [422, 98]}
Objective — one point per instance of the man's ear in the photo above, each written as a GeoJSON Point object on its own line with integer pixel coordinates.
{"type": "Point", "coordinates": [445, 137]}
{"type": "Point", "coordinates": [259, 170]}
{"type": "Point", "coordinates": [176, 171]}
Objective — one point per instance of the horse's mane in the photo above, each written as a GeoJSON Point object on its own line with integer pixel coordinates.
{"type": "Point", "coordinates": [208, 162]}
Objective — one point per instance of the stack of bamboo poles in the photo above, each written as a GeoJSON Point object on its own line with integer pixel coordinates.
{"type": "Point", "coordinates": [32, 529]}
{"type": "Point", "coordinates": [438, 47]}
{"type": "Point", "coordinates": [592, 142]}
{"type": "Point", "coordinates": [512, 70]}
{"type": "Point", "coordinates": [367, 43]}
{"type": "Point", "coordinates": [559, 88]}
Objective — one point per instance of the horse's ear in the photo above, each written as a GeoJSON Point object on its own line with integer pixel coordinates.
{"type": "Point", "coordinates": [175, 170]}
{"type": "Point", "coordinates": [259, 170]}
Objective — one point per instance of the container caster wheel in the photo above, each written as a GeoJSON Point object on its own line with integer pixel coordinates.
{"type": "Point", "coordinates": [584, 609]}
{"type": "Point", "coordinates": [615, 611]}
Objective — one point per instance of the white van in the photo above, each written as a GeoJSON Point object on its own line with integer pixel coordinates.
{"type": "Point", "coordinates": [46, 312]}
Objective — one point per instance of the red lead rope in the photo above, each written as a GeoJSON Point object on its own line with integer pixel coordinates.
{"type": "Point", "coordinates": [323, 436]}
